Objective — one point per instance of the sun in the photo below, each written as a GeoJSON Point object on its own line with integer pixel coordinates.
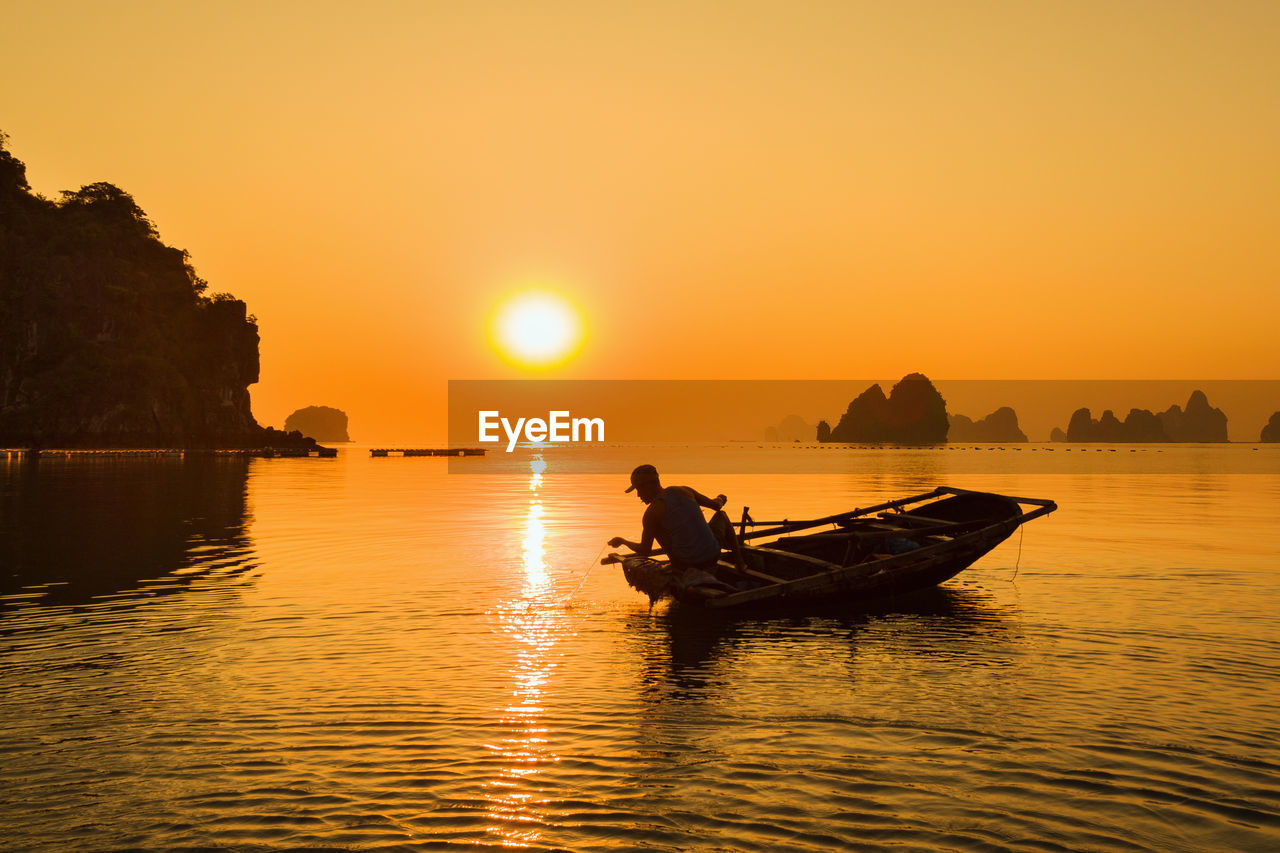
{"type": "Point", "coordinates": [536, 329]}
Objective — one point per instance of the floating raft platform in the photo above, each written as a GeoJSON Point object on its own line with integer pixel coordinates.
{"type": "Point", "coordinates": [269, 452]}
{"type": "Point", "coordinates": [427, 451]}
{"type": "Point", "coordinates": [153, 453]}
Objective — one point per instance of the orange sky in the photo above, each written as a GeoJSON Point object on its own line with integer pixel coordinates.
{"type": "Point", "coordinates": [762, 190]}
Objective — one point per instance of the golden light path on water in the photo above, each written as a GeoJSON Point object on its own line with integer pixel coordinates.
{"type": "Point", "coordinates": [535, 629]}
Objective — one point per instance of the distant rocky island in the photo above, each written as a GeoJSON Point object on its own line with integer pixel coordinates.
{"type": "Point", "coordinates": [323, 423]}
{"type": "Point", "coordinates": [999, 427]}
{"type": "Point", "coordinates": [913, 413]}
{"type": "Point", "coordinates": [107, 337]}
{"type": "Point", "coordinates": [793, 428]}
{"type": "Point", "coordinates": [1271, 432]}
{"type": "Point", "coordinates": [1199, 422]}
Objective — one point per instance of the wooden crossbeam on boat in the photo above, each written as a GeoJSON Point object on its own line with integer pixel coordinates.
{"type": "Point", "coordinates": [786, 526]}
{"type": "Point", "coordinates": [911, 518]}
{"type": "Point", "coordinates": [751, 573]}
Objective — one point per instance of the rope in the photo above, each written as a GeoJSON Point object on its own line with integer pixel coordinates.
{"type": "Point", "coordinates": [1018, 562]}
{"type": "Point", "coordinates": [595, 562]}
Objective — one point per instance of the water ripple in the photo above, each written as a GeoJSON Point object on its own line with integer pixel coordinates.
{"type": "Point", "coordinates": [405, 660]}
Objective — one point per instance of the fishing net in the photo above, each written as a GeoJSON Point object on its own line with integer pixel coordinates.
{"type": "Point", "coordinates": [648, 576]}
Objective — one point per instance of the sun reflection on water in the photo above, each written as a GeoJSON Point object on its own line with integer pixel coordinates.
{"type": "Point", "coordinates": [522, 750]}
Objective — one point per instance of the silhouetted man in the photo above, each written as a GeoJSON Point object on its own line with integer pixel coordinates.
{"type": "Point", "coordinates": [674, 518]}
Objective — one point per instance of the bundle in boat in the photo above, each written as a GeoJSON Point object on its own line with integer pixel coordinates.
{"type": "Point", "coordinates": [652, 577]}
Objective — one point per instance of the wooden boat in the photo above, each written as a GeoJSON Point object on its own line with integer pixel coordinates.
{"type": "Point", "coordinates": [889, 549]}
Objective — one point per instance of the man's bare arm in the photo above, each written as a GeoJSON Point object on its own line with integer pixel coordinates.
{"type": "Point", "coordinates": [643, 547]}
{"type": "Point", "coordinates": [652, 517]}
{"type": "Point", "coordinates": [710, 503]}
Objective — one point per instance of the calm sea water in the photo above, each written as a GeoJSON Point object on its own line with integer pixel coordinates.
{"type": "Point", "coordinates": [374, 654]}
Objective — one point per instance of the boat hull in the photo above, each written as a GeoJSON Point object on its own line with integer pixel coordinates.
{"type": "Point", "coordinates": [939, 540]}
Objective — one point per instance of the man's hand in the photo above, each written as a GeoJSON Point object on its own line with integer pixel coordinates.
{"type": "Point", "coordinates": [641, 548]}
{"type": "Point", "coordinates": [720, 501]}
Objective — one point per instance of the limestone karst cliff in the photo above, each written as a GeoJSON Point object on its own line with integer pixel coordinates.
{"type": "Point", "coordinates": [1199, 422]}
{"type": "Point", "coordinates": [913, 413]}
{"type": "Point", "coordinates": [791, 429]}
{"type": "Point", "coordinates": [999, 426]}
{"type": "Point", "coordinates": [107, 338]}
{"type": "Point", "coordinates": [1271, 432]}
{"type": "Point", "coordinates": [323, 423]}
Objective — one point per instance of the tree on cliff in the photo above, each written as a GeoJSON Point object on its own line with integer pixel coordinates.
{"type": "Point", "coordinates": [13, 172]}
{"type": "Point", "coordinates": [109, 206]}
{"type": "Point", "coordinates": [106, 338]}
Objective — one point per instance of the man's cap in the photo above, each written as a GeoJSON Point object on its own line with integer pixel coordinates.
{"type": "Point", "coordinates": [643, 474]}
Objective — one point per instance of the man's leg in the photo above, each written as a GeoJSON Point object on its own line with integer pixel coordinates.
{"type": "Point", "coordinates": [722, 527]}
